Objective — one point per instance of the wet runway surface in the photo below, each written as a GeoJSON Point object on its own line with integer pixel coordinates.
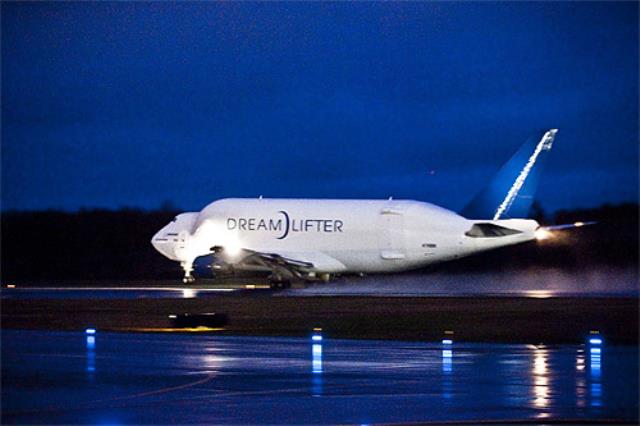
{"type": "Point", "coordinates": [26, 293]}
{"type": "Point", "coordinates": [117, 378]}
{"type": "Point", "coordinates": [536, 283]}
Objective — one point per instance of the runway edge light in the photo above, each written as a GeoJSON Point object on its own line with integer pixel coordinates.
{"type": "Point", "coordinates": [448, 337]}
{"type": "Point", "coordinates": [594, 337]}
{"type": "Point", "coordinates": [317, 334]}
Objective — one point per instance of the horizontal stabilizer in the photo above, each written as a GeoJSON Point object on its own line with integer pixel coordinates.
{"type": "Point", "coordinates": [567, 226]}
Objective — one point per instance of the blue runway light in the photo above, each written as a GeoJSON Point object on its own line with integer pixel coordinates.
{"type": "Point", "coordinates": [595, 341]}
{"type": "Point", "coordinates": [447, 342]}
{"type": "Point", "coordinates": [317, 334]}
{"type": "Point", "coordinates": [90, 331]}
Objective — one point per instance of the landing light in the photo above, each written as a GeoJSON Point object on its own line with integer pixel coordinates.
{"type": "Point", "coordinates": [578, 224]}
{"type": "Point", "coordinates": [90, 331]}
{"type": "Point", "coordinates": [231, 245]}
{"type": "Point", "coordinates": [232, 250]}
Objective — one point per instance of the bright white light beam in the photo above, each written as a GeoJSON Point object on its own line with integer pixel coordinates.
{"type": "Point", "coordinates": [545, 143]}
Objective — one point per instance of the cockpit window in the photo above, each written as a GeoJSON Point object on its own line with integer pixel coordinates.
{"type": "Point", "coordinates": [484, 230]}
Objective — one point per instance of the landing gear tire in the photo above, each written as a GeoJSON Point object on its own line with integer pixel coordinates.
{"type": "Point", "coordinates": [280, 285]}
{"type": "Point", "coordinates": [187, 266]}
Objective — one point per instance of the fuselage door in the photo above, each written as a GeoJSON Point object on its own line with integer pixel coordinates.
{"type": "Point", "coordinates": [392, 226]}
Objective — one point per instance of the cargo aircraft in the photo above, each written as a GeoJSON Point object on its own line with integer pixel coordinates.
{"type": "Point", "coordinates": [315, 239]}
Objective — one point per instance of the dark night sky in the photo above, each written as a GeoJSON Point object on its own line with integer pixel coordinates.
{"type": "Point", "coordinates": [135, 103]}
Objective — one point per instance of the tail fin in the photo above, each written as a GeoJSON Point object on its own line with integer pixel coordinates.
{"type": "Point", "coordinates": [510, 193]}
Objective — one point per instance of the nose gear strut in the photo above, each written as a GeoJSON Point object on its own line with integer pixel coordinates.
{"type": "Point", "coordinates": [187, 266]}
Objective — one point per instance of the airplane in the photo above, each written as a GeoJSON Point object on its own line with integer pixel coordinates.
{"type": "Point", "coordinates": [317, 239]}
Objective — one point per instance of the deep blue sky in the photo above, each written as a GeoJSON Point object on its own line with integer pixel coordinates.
{"type": "Point", "coordinates": [135, 103]}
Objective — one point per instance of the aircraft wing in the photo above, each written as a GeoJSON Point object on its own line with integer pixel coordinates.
{"type": "Point", "coordinates": [275, 259]}
{"type": "Point", "coordinates": [295, 263]}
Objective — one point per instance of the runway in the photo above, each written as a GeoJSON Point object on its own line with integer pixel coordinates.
{"type": "Point", "coordinates": [67, 292]}
{"type": "Point", "coordinates": [224, 376]}
{"type": "Point", "coordinates": [533, 283]}
{"type": "Point", "coordinates": [534, 362]}
{"type": "Point", "coordinates": [114, 378]}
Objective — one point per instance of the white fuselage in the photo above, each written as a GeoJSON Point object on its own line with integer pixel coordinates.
{"type": "Point", "coordinates": [336, 236]}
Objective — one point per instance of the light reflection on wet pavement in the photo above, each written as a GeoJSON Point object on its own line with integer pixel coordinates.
{"type": "Point", "coordinates": [533, 283]}
{"type": "Point", "coordinates": [63, 377]}
{"type": "Point", "coordinates": [57, 293]}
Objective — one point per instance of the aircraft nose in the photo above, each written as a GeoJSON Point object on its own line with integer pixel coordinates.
{"type": "Point", "coordinates": [163, 244]}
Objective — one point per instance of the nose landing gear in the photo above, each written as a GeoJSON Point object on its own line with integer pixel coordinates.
{"type": "Point", "coordinates": [188, 268]}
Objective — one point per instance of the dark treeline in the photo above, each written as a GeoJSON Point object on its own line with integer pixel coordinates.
{"type": "Point", "coordinates": [87, 245]}
{"type": "Point", "coordinates": [103, 244]}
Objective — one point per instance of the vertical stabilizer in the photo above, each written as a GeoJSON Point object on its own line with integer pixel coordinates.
{"type": "Point", "coordinates": [510, 193]}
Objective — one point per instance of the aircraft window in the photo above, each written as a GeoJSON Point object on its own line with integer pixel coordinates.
{"type": "Point", "coordinates": [484, 230]}
{"type": "Point", "coordinates": [175, 219]}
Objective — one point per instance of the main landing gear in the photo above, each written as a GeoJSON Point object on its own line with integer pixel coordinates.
{"type": "Point", "coordinates": [280, 285]}
{"type": "Point", "coordinates": [277, 281]}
